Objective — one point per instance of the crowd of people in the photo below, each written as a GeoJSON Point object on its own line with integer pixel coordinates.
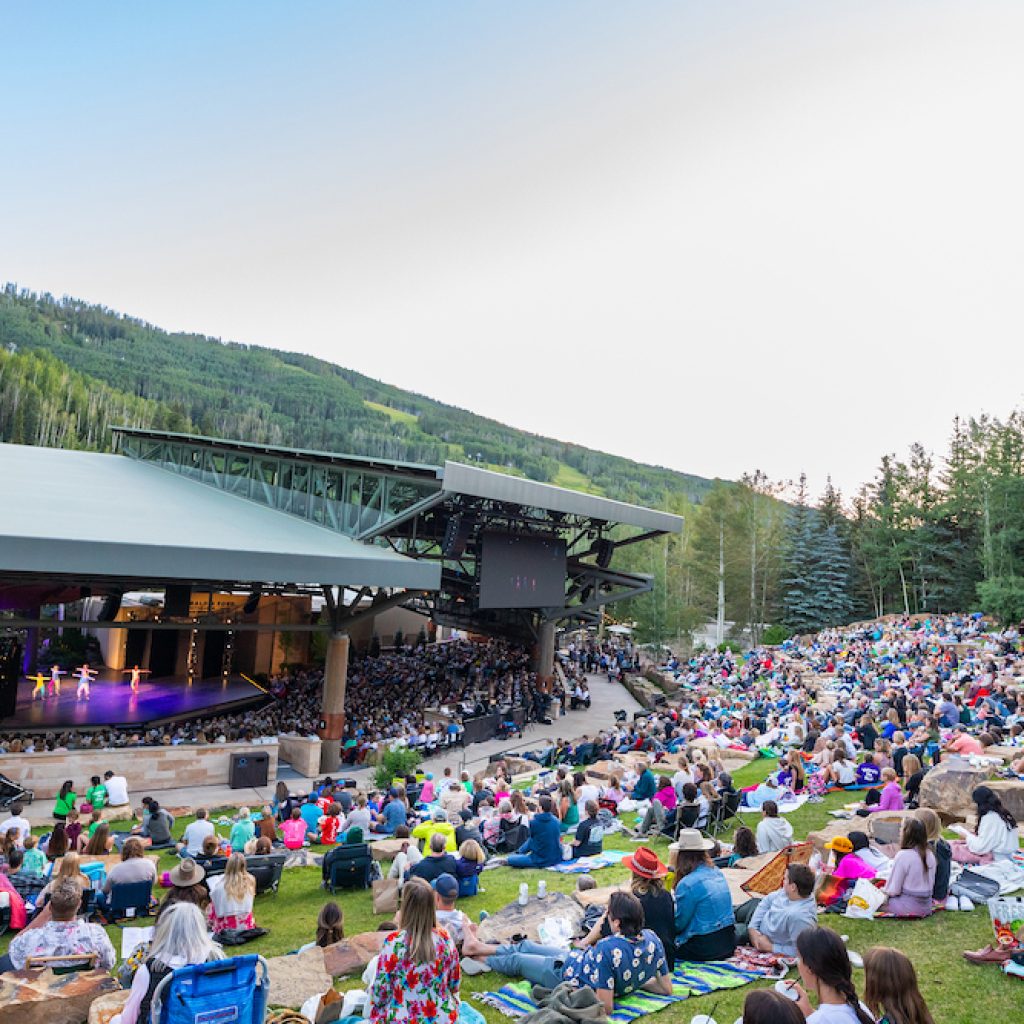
{"type": "Point", "coordinates": [872, 709]}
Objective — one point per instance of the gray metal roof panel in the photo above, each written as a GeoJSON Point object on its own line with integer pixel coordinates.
{"type": "Point", "coordinates": [69, 512]}
{"type": "Point", "coordinates": [485, 483]}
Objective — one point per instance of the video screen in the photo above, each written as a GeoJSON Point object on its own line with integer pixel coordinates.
{"type": "Point", "coordinates": [521, 572]}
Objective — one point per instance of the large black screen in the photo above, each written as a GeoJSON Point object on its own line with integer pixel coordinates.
{"type": "Point", "coordinates": [521, 572]}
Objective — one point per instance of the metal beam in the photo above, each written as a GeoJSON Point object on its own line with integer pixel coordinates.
{"type": "Point", "coordinates": [209, 627]}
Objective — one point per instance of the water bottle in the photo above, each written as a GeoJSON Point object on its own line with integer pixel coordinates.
{"type": "Point", "coordinates": [542, 888]}
{"type": "Point", "coordinates": [524, 894]}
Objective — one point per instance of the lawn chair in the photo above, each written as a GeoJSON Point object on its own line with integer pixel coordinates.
{"type": "Point", "coordinates": [725, 810]}
{"type": "Point", "coordinates": [69, 964]}
{"type": "Point", "coordinates": [267, 871]}
{"type": "Point", "coordinates": [232, 990]}
{"type": "Point", "coordinates": [350, 868]}
{"type": "Point", "coordinates": [127, 900]}
{"type": "Point", "coordinates": [686, 817]}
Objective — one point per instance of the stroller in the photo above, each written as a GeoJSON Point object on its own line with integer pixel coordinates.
{"type": "Point", "coordinates": [10, 791]}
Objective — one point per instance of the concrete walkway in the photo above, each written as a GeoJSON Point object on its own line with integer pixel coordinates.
{"type": "Point", "coordinates": [606, 699]}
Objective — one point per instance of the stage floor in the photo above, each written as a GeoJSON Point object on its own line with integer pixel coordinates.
{"type": "Point", "coordinates": [112, 702]}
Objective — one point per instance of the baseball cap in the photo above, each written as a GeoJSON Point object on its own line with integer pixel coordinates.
{"type": "Point", "coordinates": [446, 886]}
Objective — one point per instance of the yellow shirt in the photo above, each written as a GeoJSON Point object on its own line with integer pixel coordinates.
{"type": "Point", "coordinates": [425, 830]}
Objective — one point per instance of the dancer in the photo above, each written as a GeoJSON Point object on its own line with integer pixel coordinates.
{"type": "Point", "coordinates": [55, 673]}
{"type": "Point", "coordinates": [136, 676]}
{"type": "Point", "coordinates": [85, 677]}
{"type": "Point", "coordinates": [39, 691]}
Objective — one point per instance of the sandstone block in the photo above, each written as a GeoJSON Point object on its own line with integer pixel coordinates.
{"type": "Point", "coordinates": [517, 920]}
{"type": "Point", "coordinates": [293, 979]}
{"type": "Point", "coordinates": [947, 788]}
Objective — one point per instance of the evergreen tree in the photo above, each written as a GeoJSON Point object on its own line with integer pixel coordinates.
{"type": "Point", "coordinates": [799, 610]}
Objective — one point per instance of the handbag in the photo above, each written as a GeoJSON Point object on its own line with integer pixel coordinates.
{"type": "Point", "coordinates": [864, 900]}
{"type": "Point", "coordinates": [1007, 913]}
{"type": "Point", "coordinates": [385, 895]}
{"type": "Point", "coordinates": [977, 888]}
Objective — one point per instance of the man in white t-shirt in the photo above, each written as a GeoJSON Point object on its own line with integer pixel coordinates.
{"type": "Point", "coordinates": [195, 834]}
{"type": "Point", "coordinates": [15, 820]}
{"type": "Point", "coordinates": [117, 789]}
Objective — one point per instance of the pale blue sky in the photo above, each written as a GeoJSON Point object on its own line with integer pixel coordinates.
{"type": "Point", "coordinates": [714, 236]}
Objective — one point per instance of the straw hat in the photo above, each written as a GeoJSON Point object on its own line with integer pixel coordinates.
{"type": "Point", "coordinates": [643, 861]}
{"type": "Point", "coordinates": [690, 840]}
{"type": "Point", "coordinates": [187, 873]}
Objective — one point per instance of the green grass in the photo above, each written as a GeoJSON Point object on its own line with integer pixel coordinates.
{"type": "Point", "coordinates": [396, 414]}
{"type": "Point", "coordinates": [569, 476]}
{"type": "Point", "coordinates": [957, 992]}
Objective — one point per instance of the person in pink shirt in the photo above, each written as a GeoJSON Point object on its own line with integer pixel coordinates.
{"type": "Point", "coordinates": [892, 795]}
{"type": "Point", "coordinates": [663, 801]}
{"type": "Point", "coordinates": [427, 790]}
{"type": "Point", "coordinates": [963, 743]}
{"type": "Point", "coordinates": [848, 864]}
{"type": "Point", "coordinates": [294, 830]}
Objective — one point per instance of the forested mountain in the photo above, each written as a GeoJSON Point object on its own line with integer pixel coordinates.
{"type": "Point", "coordinates": [125, 370]}
{"type": "Point", "coordinates": [926, 534]}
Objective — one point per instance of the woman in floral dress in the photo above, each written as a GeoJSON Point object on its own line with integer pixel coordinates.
{"type": "Point", "coordinates": [418, 969]}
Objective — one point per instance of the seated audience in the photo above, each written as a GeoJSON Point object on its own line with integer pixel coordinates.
{"type": "Point", "coordinates": [64, 935]}
{"type": "Point", "coordinates": [782, 915]}
{"type": "Point", "coordinates": [704, 919]}
{"type": "Point", "coordinates": [773, 833]}
{"type": "Point", "coordinates": [544, 846]}
{"type": "Point", "coordinates": [910, 885]}
{"type": "Point", "coordinates": [891, 990]}
{"type": "Point", "coordinates": [179, 939]}
{"type": "Point", "coordinates": [825, 969]}
{"type": "Point", "coordinates": [418, 965]}
{"type": "Point", "coordinates": [436, 863]}
{"type": "Point", "coordinates": [630, 959]}
{"type": "Point", "coordinates": [589, 839]}
{"type": "Point", "coordinates": [231, 897]}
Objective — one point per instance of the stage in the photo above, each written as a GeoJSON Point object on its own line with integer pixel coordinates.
{"type": "Point", "coordinates": [112, 703]}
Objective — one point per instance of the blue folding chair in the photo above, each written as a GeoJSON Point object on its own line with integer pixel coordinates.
{"type": "Point", "coordinates": [232, 991]}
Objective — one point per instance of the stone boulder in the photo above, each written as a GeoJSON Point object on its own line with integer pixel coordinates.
{"type": "Point", "coordinates": [517, 920]}
{"type": "Point", "coordinates": [106, 1007]}
{"type": "Point", "coordinates": [42, 997]}
{"type": "Point", "coordinates": [1011, 792]}
{"type": "Point", "coordinates": [350, 956]}
{"type": "Point", "coordinates": [293, 979]}
{"type": "Point", "coordinates": [947, 788]}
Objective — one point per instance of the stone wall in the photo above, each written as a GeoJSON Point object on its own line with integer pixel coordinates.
{"type": "Point", "coordinates": [147, 769]}
{"type": "Point", "coordinates": [302, 753]}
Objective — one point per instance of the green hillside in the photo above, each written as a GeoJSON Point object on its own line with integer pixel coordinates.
{"type": "Point", "coordinates": [69, 371]}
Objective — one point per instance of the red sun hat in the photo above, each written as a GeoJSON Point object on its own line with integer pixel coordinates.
{"type": "Point", "coordinates": [643, 861]}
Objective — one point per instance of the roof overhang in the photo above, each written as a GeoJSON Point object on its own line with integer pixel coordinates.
{"type": "Point", "coordinates": [79, 515]}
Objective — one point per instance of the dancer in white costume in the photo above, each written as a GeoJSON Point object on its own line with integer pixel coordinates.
{"type": "Point", "coordinates": [85, 677]}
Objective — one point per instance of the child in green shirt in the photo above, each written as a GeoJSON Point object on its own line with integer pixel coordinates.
{"type": "Point", "coordinates": [35, 860]}
{"type": "Point", "coordinates": [96, 794]}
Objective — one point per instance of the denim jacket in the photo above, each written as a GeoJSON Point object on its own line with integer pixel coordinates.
{"type": "Point", "coordinates": [703, 903]}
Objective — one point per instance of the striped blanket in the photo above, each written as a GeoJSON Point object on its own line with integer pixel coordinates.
{"type": "Point", "coordinates": [688, 979]}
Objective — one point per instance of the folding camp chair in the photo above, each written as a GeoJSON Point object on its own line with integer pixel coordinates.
{"type": "Point", "coordinates": [232, 990]}
{"type": "Point", "coordinates": [686, 817]}
{"type": "Point", "coordinates": [126, 900]}
{"type": "Point", "coordinates": [68, 964]}
{"type": "Point", "coordinates": [725, 810]}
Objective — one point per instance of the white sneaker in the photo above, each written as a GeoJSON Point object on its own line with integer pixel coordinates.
{"type": "Point", "coordinates": [965, 903]}
{"type": "Point", "coordinates": [952, 903]}
{"type": "Point", "coordinates": [472, 967]}
{"type": "Point", "coordinates": [856, 960]}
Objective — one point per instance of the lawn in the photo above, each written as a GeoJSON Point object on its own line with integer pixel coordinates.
{"type": "Point", "coordinates": [957, 992]}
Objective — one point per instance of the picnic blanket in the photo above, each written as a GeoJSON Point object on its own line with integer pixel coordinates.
{"type": "Point", "coordinates": [689, 979]}
{"type": "Point", "coordinates": [790, 804]}
{"type": "Point", "coordinates": [582, 865]}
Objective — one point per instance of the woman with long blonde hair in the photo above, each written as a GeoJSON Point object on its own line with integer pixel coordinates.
{"type": "Point", "coordinates": [231, 897]}
{"type": "Point", "coordinates": [418, 965]}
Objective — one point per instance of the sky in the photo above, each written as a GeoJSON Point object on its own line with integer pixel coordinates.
{"type": "Point", "coordinates": [716, 237]}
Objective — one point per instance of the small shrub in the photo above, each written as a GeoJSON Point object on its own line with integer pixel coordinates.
{"type": "Point", "coordinates": [397, 763]}
{"type": "Point", "coordinates": [775, 635]}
